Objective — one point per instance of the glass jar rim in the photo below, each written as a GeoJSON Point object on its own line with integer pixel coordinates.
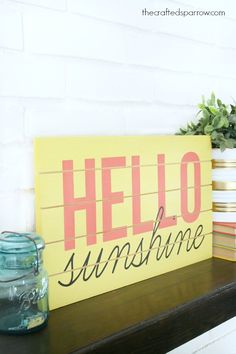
{"type": "Point", "coordinates": [17, 243]}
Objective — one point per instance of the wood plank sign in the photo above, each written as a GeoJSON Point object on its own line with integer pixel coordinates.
{"type": "Point", "coordinates": [117, 210]}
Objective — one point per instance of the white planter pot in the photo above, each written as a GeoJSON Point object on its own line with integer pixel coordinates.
{"type": "Point", "coordinates": [224, 185]}
{"type": "Point", "coordinates": [227, 154]}
{"type": "Point", "coordinates": [224, 196]}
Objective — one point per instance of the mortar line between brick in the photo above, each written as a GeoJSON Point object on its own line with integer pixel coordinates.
{"type": "Point", "coordinates": [145, 30]}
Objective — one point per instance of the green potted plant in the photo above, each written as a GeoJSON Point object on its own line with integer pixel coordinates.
{"type": "Point", "coordinates": [218, 120]}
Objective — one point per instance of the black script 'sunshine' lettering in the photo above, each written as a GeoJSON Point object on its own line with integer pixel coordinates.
{"type": "Point", "coordinates": [138, 257]}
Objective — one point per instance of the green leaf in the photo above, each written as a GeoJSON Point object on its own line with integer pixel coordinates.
{"type": "Point", "coordinates": [230, 143]}
{"type": "Point", "coordinates": [216, 123]}
{"type": "Point", "coordinates": [219, 102]}
{"type": "Point", "coordinates": [220, 122]}
{"type": "Point", "coordinates": [232, 118]}
{"type": "Point", "coordinates": [225, 112]}
{"type": "Point", "coordinates": [208, 129]}
{"type": "Point", "coordinates": [201, 106]}
{"type": "Point", "coordinates": [222, 146]}
{"type": "Point", "coordinates": [226, 122]}
{"type": "Point", "coordinates": [213, 110]}
{"type": "Point", "coordinates": [205, 113]}
{"type": "Point", "coordinates": [212, 100]}
{"type": "Point", "coordinates": [214, 135]}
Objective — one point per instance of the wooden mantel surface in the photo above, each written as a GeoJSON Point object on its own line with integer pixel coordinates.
{"type": "Point", "coordinates": [153, 316]}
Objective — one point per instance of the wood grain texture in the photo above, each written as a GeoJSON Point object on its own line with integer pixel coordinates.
{"type": "Point", "coordinates": [153, 316]}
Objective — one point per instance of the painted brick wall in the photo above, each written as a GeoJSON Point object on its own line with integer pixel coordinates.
{"type": "Point", "coordinates": [71, 67]}
{"type": "Point", "coordinates": [100, 67]}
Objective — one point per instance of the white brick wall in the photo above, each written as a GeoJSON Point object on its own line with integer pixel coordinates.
{"type": "Point", "coordinates": [100, 67]}
{"type": "Point", "coordinates": [49, 121]}
{"type": "Point", "coordinates": [11, 35]}
{"type": "Point", "coordinates": [51, 4]}
{"type": "Point", "coordinates": [71, 67]}
{"type": "Point", "coordinates": [11, 122]}
{"type": "Point", "coordinates": [73, 35]}
{"type": "Point", "coordinates": [25, 75]}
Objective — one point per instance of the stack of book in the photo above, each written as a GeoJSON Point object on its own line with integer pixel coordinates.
{"type": "Point", "coordinates": [224, 240]}
{"type": "Point", "coordinates": [224, 185]}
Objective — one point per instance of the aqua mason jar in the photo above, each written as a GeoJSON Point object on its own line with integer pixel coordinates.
{"type": "Point", "coordinates": [23, 283]}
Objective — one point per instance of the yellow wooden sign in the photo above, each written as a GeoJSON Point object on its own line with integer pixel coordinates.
{"type": "Point", "coordinates": [117, 210]}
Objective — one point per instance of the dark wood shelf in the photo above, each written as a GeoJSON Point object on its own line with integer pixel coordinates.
{"type": "Point", "coordinates": [153, 316]}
